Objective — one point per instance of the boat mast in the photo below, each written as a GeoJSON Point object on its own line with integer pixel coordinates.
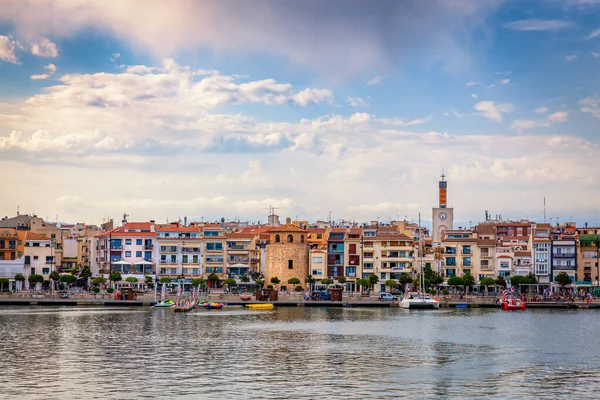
{"type": "Point", "coordinates": [421, 257]}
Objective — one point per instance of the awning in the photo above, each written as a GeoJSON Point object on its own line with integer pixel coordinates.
{"type": "Point", "coordinates": [144, 263]}
{"type": "Point", "coordinates": [121, 263]}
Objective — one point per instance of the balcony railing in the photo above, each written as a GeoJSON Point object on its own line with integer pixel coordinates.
{"type": "Point", "coordinates": [237, 247]}
{"type": "Point", "coordinates": [486, 267]}
{"type": "Point", "coordinates": [116, 247]}
{"type": "Point", "coordinates": [148, 246]}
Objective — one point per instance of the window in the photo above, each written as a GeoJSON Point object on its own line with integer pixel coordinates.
{"type": "Point", "coordinates": [368, 266]}
{"type": "Point", "coordinates": [45, 271]}
{"type": "Point", "coordinates": [53, 235]}
{"type": "Point", "coordinates": [277, 239]}
{"type": "Point", "coordinates": [368, 255]}
{"type": "Point", "coordinates": [27, 259]}
{"type": "Point", "coordinates": [49, 259]}
{"type": "Point", "coordinates": [138, 242]}
{"type": "Point", "coordinates": [290, 264]}
{"type": "Point", "coordinates": [351, 271]}
{"type": "Point", "coordinates": [383, 276]}
{"type": "Point", "coordinates": [127, 241]}
{"type": "Point", "coordinates": [147, 255]}
{"type": "Point", "coordinates": [466, 249]}
{"type": "Point", "coordinates": [319, 236]}
{"type": "Point", "coordinates": [127, 254]}
{"type": "Point", "coordinates": [467, 262]}
{"type": "Point", "coordinates": [451, 261]}
{"type": "Point", "coordinates": [352, 248]}
{"type": "Point", "coordinates": [195, 259]}
{"type": "Point", "coordinates": [504, 264]}
{"type": "Point", "coordinates": [138, 253]}
{"type": "Point", "coordinates": [317, 260]}
{"type": "Point", "coordinates": [211, 233]}
{"type": "Point", "coordinates": [35, 257]}
{"type": "Point", "coordinates": [214, 246]}
{"type": "Point", "coordinates": [163, 258]}
{"type": "Point", "coordinates": [301, 238]}
{"type": "Point", "coordinates": [290, 239]}
{"type": "Point", "coordinates": [32, 270]}
{"type": "Point", "coordinates": [36, 244]}
{"type": "Point", "coordinates": [185, 259]}
{"type": "Point", "coordinates": [163, 249]}
{"type": "Point", "coordinates": [173, 259]}
{"type": "Point", "coordinates": [317, 272]}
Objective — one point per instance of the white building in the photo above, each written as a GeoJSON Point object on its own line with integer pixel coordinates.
{"type": "Point", "coordinates": [39, 256]}
{"type": "Point", "coordinates": [179, 250]}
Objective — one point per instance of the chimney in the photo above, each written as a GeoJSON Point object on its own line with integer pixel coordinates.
{"type": "Point", "coordinates": [288, 221]}
{"type": "Point", "coordinates": [184, 221]}
{"type": "Point", "coordinates": [222, 222]}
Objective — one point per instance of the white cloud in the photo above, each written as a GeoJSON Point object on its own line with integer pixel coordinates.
{"type": "Point", "coordinates": [504, 81]}
{"type": "Point", "coordinates": [559, 116]}
{"type": "Point", "coordinates": [307, 96]}
{"type": "Point", "coordinates": [357, 102]}
{"type": "Point", "coordinates": [375, 80]}
{"type": "Point", "coordinates": [491, 86]}
{"type": "Point", "coordinates": [538, 25]}
{"type": "Point", "coordinates": [541, 110]}
{"type": "Point", "coordinates": [51, 68]}
{"type": "Point", "coordinates": [114, 57]}
{"type": "Point", "coordinates": [7, 49]}
{"type": "Point", "coordinates": [596, 55]}
{"type": "Point", "coordinates": [44, 48]}
{"type": "Point", "coordinates": [401, 122]}
{"type": "Point", "coordinates": [521, 125]}
{"type": "Point", "coordinates": [594, 34]}
{"type": "Point", "coordinates": [571, 57]}
{"type": "Point", "coordinates": [473, 95]}
{"type": "Point", "coordinates": [493, 111]}
{"type": "Point", "coordinates": [472, 83]}
{"type": "Point", "coordinates": [591, 106]}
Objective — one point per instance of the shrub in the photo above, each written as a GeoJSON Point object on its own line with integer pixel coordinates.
{"type": "Point", "coordinates": [299, 288]}
{"type": "Point", "coordinates": [61, 286]}
{"type": "Point", "coordinates": [283, 288]}
{"type": "Point", "coordinates": [269, 286]}
{"type": "Point", "coordinates": [68, 279]}
{"type": "Point", "coordinates": [95, 289]}
{"type": "Point", "coordinates": [110, 290]}
{"type": "Point", "coordinates": [446, 292]}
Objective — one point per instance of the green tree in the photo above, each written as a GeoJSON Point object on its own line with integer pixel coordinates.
{"type": "Point", "coordinates": [131, 279]}
{"type": "Point", "coordinates": [74, 270]}
{"type": "Point", "coordinates": [469, 279]}
{"type": "Point", "coordinates": [373, 279]}
{"type": "Point", "coordinates": [20, 277]}
{"type": "Point", "coordinates": [275, 281]}
{"type": "Point", "coordinates": [310, 281]}
{"type": "Point", "coordinates": [518, 280]}
{"type": "Point", "coordinates": [327, 281]}
{"type": "Point", "coordinates": [213, 279]}
{"type": "Point", "coordinates": [259, 282]}
{"type": "Point", "coordinates": [229, 282]}
{"type": "Point", "coordinates": [55, 276]}
{"type": "Point", "coordinates": [487, 282]}
{"type": "Point", "coordinates": [563, 279]}
{"type": "Point", "coordinates": [85, 273]}
{"type": "Point", "coordinates": [68, 278]}
{"type": "Point", "coordinates": [115, 276]}
{"type": "Point", "coordinates": [99, 280]}
{"type": "Point", "coordinates": [245, 278]}
{"type": "Point", "coordinates": [391, 283]}
{"type": "Point", "coordinates": [198, 281]}
{"type": "Point", "coordinates": [362, 283]}
{"type": "Point", "coordinates": [341, 280]}
{"type": "Point", "coordinates": [456, 281]}
{"type": "Point", "coordinates": [35, 278]}
{"type": "Point", "coordinates": [148, 279]}
{"type": "Point", "coordinates": [531, 279]}
{"type": "Point", "coordinates": [417, 283]}
{"type": "Point", "coordinates": [4, 282]}
{"type": "Point", "coordinates": [283, 288]}
{"type": "Point", "coordinates": [404, 279]}
{"type": "Point", "coordinates": [294, 281]}
{"type": "Point", "coordinates": [500, 281]}
{"type": "Point", "coordinates": [165, 280]}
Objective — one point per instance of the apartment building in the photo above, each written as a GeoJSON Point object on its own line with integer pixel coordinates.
{"type": "Point", "coordinates": [40, 256]}
{"type": "Point", "coordinates": [11, 244]}
{"type": "Point", "coordinates": [588, 269]}
{"type": "Point", "coordinates": [485, 252]}
{"type": "Point", "coordinates": [317, 237]}
{"type": "Point", "coordinates": [335, 252]}
{"type": "Point", "coordinates": [243, 254]}
{"type": "Point", "coordinates": [352, 257]}
{"type": "Point", "coordinates": [563, 256]}
{"type": "Point", "coordinates": [178, 250]}
{"type": "Point", "coordinates": [318, 263]}
{"type": "Point", "coordinates": [458, 251]}
{"type": "Point", "coordinates": [540, 245]}
{"type": "Point", "coordinates": [128, 249]}
{"type": "Point", "coordinates": [214, 247]}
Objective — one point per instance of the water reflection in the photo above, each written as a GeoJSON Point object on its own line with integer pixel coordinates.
{"type": "Point", "coordinates": [297, 352]}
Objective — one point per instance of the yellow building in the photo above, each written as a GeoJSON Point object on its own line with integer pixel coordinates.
{"type": "Point", "coordinates": [214, 250]}
{"type": "Point", "coordinates": [459, 255]}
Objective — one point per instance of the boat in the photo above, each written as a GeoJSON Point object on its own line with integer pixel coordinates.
{"type": "Point", "coordinates": [512, 303]}
{"type": "Point", "coordinates": [164, 304]}
{"type": "Point", "coordinates": [185, 308]}
{"type": "Point", "coordinates": [260, 306]}
{"type": "Point", "coordinates": [420, 301]}
{"type": "Point", "coordinates": [214, 306]}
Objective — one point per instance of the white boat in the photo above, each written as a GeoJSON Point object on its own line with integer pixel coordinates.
{"type": "Point", "coordinates": [419, 302]}
{"type": "Point", "coordinates": [415, 301]}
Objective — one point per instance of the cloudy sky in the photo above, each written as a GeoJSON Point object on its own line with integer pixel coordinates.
{"type": "Point", "coordinates": [221, 108]}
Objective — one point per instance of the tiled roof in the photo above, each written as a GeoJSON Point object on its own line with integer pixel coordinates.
{"type": "Point", "coordinates": [504, 256]}
{"type": "Point", "coordinates": [393, 236]}
{"type": "Point", "coordinates": [35, 236]}
{"type": "Point", "coordinates": [287, 228]}
{"type": "Point", "coordinates": [522, 254]}
{"type": "Point", "coordinates": [317, 230]}
{"type": "Point", "coordinates": [486, 228]}
{"type": "Point", "coordinates": [486, 242]}
{"type": "Point", "coordinates": [256, 229]}
{"type": "Point", "coordinates": [241, 235]}
{"type": "Point", "coordinates": [175, 228]}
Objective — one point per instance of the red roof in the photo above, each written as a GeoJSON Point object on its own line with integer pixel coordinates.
{"type": "Point", "coordinates": [130, 226]}
{"type": "Point", "coordinates": [317, 230]}
{"type": "Point", "coordinates": [241, 235]}
{"type": "Point", "coordinates": [175, 228]}
{"type": "Point", "coordinates": [287, 228]}
{"type": "Point", "coordinates": [35, 236]}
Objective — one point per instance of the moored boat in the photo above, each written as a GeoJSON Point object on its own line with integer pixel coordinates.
{"type": "Point", "coordinates": [260, 306]}
{"type": "Point", "coordinates": [419, 302]}
{"type": "Point", "coordinates": [164, 304]}
{"type": "Point", "coordinates": [512, 303]}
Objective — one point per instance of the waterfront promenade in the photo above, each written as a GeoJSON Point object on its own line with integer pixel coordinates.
{"type": "Point", "coordinates": [27, 299]}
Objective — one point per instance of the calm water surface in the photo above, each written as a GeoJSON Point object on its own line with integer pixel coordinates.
{"type": "Point", "coordinates": [100, 353]}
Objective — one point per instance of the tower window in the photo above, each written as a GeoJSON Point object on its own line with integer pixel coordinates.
{"type": "Point", "coordinates": [290, 264]}
{"type": "Point", "coordinates": [290, 239]}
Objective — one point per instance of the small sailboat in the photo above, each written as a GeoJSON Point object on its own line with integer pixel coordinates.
{"type": "Point", "coordinates": [420, 300]}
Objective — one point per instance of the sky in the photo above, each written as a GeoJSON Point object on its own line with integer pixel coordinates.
{"type": "Point", "coordinates": [353, 109]}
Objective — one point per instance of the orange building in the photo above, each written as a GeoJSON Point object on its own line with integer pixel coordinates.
{"type": "Point", "coordinates": [11, 244]}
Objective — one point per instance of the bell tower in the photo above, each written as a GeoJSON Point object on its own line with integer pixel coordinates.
{"type": "Point", "coordinates": [442, 215]}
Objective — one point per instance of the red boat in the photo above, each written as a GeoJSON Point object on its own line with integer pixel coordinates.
{"type": "Point", "coordinates": [511, 303]}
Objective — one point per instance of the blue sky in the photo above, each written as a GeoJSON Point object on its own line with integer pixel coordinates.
{"type": "Point", "coordinates": [224, 108]}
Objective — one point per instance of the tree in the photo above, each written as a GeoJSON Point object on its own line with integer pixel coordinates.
{"type": "Point", "coordinates": [55, 276]}
{"type": "Point", "coordinates": [35, 278]}
{"type": "Point", "coordinates": [518, 280]}
{"type": "Point", "coordinates": [373, 279]}
{"type": "Point", "coordinates": [283, 288]}
{"type": "Point", "coordinates": [562, 279]}
{"type": "Point", "coordinates": [404, 279]}
{"type": "Point", "coordinates": [99, 280]}
{"type": "Point", "coordinates": [67, 278]}
{"type": "Point", "coordinates": [85, 273]}
{"type": "Point", "coordinates": [531, 279]}
{"type": "Point", "coordinates": [19, 277]}
{"type": "Point", "coordinates": [456, 281]}
{"type": "Point", "coordinates": [198, 281]}
{"type": "Point", "coordinates": [391, 283]}
{"type": "Point", "coordinates": [213, 279]}
{"type": "Point", "coordinates": [341, 280]}
{"type": "Point", "coordinates": [310, 281]}
{"type": "Point", "coordinates": [229, 282]}
{"type": "Point", "coordinates": [363, 283]}
{"type": "Point", "coordinates": [275, 280]}
{"type": "Point", "coordinates": [417, 283]}
{"type": "Point", "coordinates": [468, 279]}
{"type": "Point", "coordinates": [294, 281]}
{"type": "Point", "coordinates": [327, 281]}
{"type": "Point", "coordinates": [500, 281]}
{"type": "Point", "coordinates": [115, 276]}
{"type": "Point", "coordinates": [3, 282]}
{"type": "Point", "coordinates": [245, 278]}
{"type": "Point", "coordinates": [487, 282]}
{"type": "Point", "coordinates": [259, 282]}
{"type": "Point", "coordinates": [148, 279]}
{"type": "Point", "coordinates": [74, 270]}
{"type": "Point", "coordinates": [131, 279]}
{"type": "Point", "coordinates": [165, 280]}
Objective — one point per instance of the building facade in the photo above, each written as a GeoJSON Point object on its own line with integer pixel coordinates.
{"type": "Point", "coordinates": [287, 254]}
{"type": "Point", "coordinates": [179, 251]}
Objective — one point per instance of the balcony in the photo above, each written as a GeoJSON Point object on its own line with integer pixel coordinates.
{"type": "Point", "coordinates": [237, 247]}
{"type": "Point", "coordinates": [116, 247]}
{"type": "Point", "coordinates": [485, 267]}
{"type": "Point", "coordinates": [148, 246]}
{"type": "Point", "coordinates": [190, 250]}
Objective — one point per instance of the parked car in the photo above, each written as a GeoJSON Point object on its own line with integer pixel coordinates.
{"type": "Point", "coordinates": [387, 297]}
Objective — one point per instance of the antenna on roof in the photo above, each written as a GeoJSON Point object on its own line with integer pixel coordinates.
{"type": "Point", "coordinates": [544, 209]}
